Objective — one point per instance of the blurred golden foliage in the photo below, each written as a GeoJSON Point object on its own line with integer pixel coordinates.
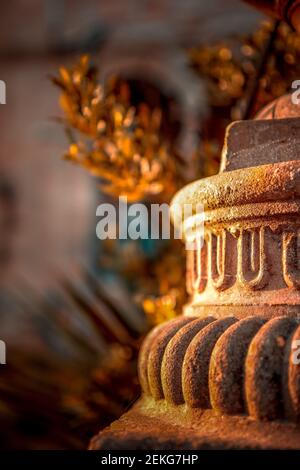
{"type": "Point", "coordinates": [121, 144]}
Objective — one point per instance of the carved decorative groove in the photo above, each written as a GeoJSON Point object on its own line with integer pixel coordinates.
{"type": "Point", "coordinates": [290, 260]}
{"type": "Point", "coordinates": [252, 259]}
{"type": "Point", "coordinates": [197, 269]}
{"type": "Point", "coordinates": [220, 259]}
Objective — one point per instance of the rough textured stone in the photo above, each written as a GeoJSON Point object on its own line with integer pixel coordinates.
{"type": "Point", "coordinates": [250, 143]}
{"type": "Point", "coordinates": [280, 108]}
{"type": "Point", "coordinates": [152, 425]}
{"type": "Point", "coordinates": [227, 366]}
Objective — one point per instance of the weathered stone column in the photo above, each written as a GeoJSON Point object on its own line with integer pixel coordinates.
{"type": "Point", "coordinates": [226, 373]}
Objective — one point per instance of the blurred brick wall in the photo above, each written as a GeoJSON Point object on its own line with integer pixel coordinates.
{"type": "Point", "coordinates": [51, 201]}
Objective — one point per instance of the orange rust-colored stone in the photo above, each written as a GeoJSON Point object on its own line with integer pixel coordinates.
{"type": "Point", "coordinates": [280, 108]}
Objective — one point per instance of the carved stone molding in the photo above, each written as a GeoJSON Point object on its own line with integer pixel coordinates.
{"type": "Point", "coordinates": [244, 260]}
{"type": "Point", "coordinates": [220, 364]}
